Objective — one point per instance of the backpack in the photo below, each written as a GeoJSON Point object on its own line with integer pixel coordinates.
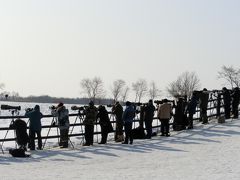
{"type": "Point", "coordinates": [18, 153]}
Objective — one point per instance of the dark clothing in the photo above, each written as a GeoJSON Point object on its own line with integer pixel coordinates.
{"type": "Point", "coordinates": [105, 124]}
{"type": "Point", "coordinates": [118, 111]}
{"type": "Point", "coordinates": [89, 121]}
{"type": "Point", "coordinates": [128, 133]}
{"type": "Point", "coordinates": [148, 118]}
{"type": "Point", "coordinates": [128, 117]}
{"type": "Point", "coordinates": [63, 124]}
{"type": "Point", "coordinates": [235, 102]}
{"type": "Point", "coordinates": [180, 120]}
{"type": "Point", "coordinates": [35, 117]}
{"type": "Point", "coordinates": [191, 109]}
{"type": "Point", "coordinates": [227, 103]}
{"type": "Point", "coordinates": [89, 130]}
{"type": "Point", "coordinates": [35, 127]}
{"type": "Point", "coordinates": [21, 132]}
{"type": "Point", "coordinates": [32, 134]}
{"type": "Point", "coordinates": [203, 104]}
{"type": "Point", "coordinates": [164, 126]}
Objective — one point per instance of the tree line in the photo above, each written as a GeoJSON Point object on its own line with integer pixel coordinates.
{"type": "Point", "coordinates": [93, 89]}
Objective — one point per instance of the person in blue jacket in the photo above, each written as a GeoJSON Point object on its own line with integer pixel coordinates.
{"type": "Point", "coordinates": [128, 117]}
{"type": "Point", "coordinates": [35, 127]}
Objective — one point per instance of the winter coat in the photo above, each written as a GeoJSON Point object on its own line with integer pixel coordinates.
{"type": "Point", "coordinates": [192, 105]}
{"type": "Point", "coordinates": [128, 114]}
{"type": "Point", "coordinates": [35, 117]}
{"type": "Point", "coordinates": [62, 117]}
{"type": "Point", "coordinates": [235, 97]}
{"type": "Point", "coordinates": [149, 112]}
{"type": "Point", "coordinates": [91, 115]}
{"type": "Point", "coordinates": [118, 111]}
{"type": "Point", "coordinates": [104, 120]}
{"type": "Point", "coordinates": [226, 97]}
{"type": "Point", "coordinates": [204, 96]}
{"type": "Point", "coordinates": [164, 111]}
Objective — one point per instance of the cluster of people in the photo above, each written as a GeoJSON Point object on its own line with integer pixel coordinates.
{"type": "Point", "coordinates": [184, 111]}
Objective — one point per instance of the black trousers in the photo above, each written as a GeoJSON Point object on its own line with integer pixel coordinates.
{"type": "Point", "coordinates": [190, 120]}
{"type": "Point", "coordinates": [227, 111]}
{"type": "Point", "coordinates": [164, 126]}
{"type": "Point", "coordinates": [235, 110]}
{"type": "Point", "coordinates": [104, 134]}
{"type": "Point", "coordinates": [148, 125]}
{"type": "Point", "coordinates": [128, 132]}
{"type": "Point", "coordinates": [64, 137]}
{"type": "Point", "coordinates": [32, 134]}
{"type": "Point", "coordinates": [89, 130]}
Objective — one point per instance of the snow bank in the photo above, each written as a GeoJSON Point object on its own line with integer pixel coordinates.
{"type": "Point", "coordinates": [206, 152]}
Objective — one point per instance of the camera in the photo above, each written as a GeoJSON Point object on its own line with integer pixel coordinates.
{"type": "Point", "coordinates": [163, 101]}
{"type": "Point", "coordinates": [7, 107]}
{"type": "Point", "coordinates": [28, 109]}
{"type": "Point", "coordinates": [77, 108]}
{"type": "Point", "coordinates": [52, 107]}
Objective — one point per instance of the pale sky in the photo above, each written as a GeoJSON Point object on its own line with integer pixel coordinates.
{"type": "Point", "coordinates": [48, 46]}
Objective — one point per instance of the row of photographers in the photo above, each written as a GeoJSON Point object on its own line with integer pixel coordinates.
{"type": "Point", "coordinates": [124, 118]}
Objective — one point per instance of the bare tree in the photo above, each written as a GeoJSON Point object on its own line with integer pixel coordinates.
{"type": "Point", "coordinates": [2, 86]}
{"type": "Point", "coordinates": [140, 88]}
{"type": "Point", "coordinates": [124, 93]}
{"type": "Point", "coordinates": [153, 91]}
{"type": "Point", "coordinates": [117, 89]}
{"type": "Point", "coordinates": [93, 88]}
{"type": "Point", "coordinates": [231, 75]}
{"type": "Point", "coordinates": [185, 84]}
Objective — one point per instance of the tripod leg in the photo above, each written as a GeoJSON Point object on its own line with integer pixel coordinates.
{"type": "Point", "coordinates": [46, 137]}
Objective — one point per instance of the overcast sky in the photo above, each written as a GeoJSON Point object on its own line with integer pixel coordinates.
{"type": "Point", "coordinates": [48, 46]}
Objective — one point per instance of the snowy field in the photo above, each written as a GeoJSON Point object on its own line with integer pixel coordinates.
{"type": "Point", "coordinates": [206, 152]}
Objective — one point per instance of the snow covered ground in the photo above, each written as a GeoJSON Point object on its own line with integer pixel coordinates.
{"type": "Point", "coordinates": [206, 152]}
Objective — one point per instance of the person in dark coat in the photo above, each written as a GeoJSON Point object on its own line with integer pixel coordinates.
{"type": "Point", "coordinates": [149, 110]}
{"type": "Point", "coordinates": [35, 127]}
{"type": "Point", "coordinates": [179, 122]}
{"type": "Point", "coordinates": [128, 116]}
{"type": "Point", "coordinates": [22, 137]}
{"type": "Point", "coordinates": [203, 104]}
{"type": "Point", "coordinates": [62, 115]}
{"type": "Point", "coordinates": [235, 101]}
{"type": "Point", "coordinates": [105, 123]}
{"type": "Point", "coordinates": [191, 109]}
{"type": "Point", "coordinates": [90, 118]}
{"type": "Point", "coordinates": [118, 111]}
{"type": "Point", "coordinates": [227, 102]}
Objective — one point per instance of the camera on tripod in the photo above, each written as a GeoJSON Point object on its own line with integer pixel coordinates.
{"type": "Point", "coordinates": [52, 107]}
{"type": "Point", "coordinates": [7, 107]}
{"type": "Point", "coordinates": [158, 102]}
{"type": "Point", "coordinates": [77, 108]}
{"type": "Point", "coordinates": [28, 109]}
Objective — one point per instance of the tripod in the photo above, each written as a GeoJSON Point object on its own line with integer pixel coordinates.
{"type": "Point", "coordinates": [9, 127]}
{"type": "Point", "coordinates": [54, 119]}
{"type": "Point", "coordinates": [80, 118]}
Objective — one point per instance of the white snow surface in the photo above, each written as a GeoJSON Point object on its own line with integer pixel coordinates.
{"type": "Point", "coordinates": [207, 152]}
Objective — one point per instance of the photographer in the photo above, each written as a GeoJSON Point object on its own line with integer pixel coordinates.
{"type": "Point", "coordinates": [63, 123]}
{"type": "Point", "coordinates": [35, 126]}
{"type": "Point", "coordinates": [149, 110]}
{"type": "Point", "coordinates": [203, 104]}
{"type": "Point", "coordinates": [128, 117]}
{"type": "Point", "coordinates": [117, 109]}
{"type": "Point", "coordinates": [164, 115]}
{"type": "Point", "coordinates": [191, 109]}
{"type": "Point", "coordinates": [227, 102]}
{"type": "Point", "coordinates": [90, 118]}
{"type": "Point", "coordinates": [235, 101]}
{"type": "Point", "coordinates": [104, 121]}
